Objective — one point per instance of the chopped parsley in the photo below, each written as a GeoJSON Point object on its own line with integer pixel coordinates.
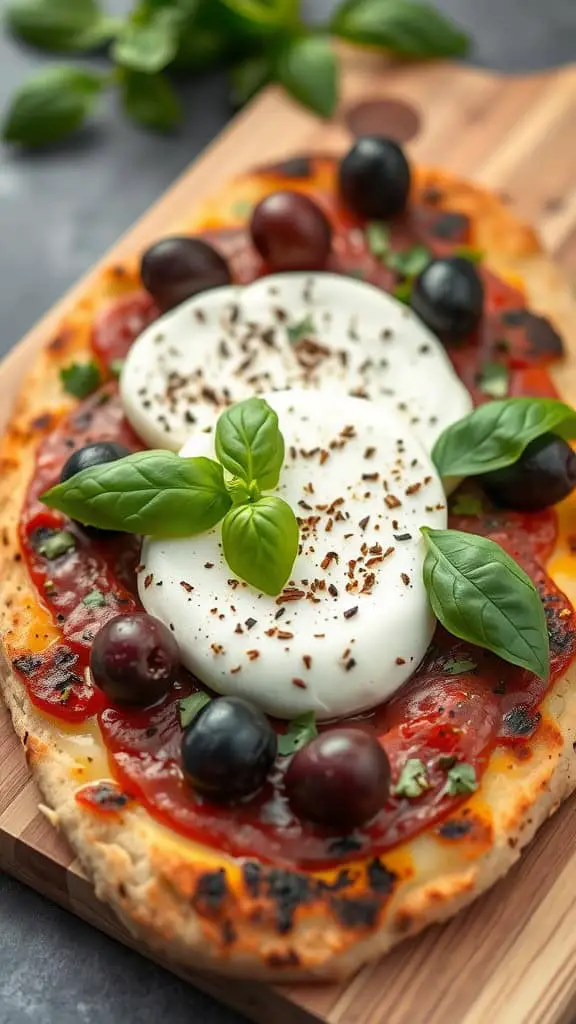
{"type": "Point", "coordinates": [299, 732]}
{"type": "Point", "coordinates": [80, 379]}
{"type": "Point", "coordinates": [56, 544]}
{"type": "Point", "coordinates": [302, 329]}
{"type": "Point", "coordinates": [411, 262]}
{"type": "Point", "coordinates": [413, 779]}
{"type": "Point", "coordinates": [378, 239]}
{"type": "Point", "coordinates": [494, 380]}
{"type": "Point", "coordinates": [461, 778]}
{"type": "Point", "coordinates": [190, 706]}
{"type": "Point", "coordinates": [116, 367]}
{"type": "Point", "coordinates": [466, 505]}
{"type": "Point", "coordinates": [95, 599]}
{"type": "Point", "coordinates": [403, 291]}
{"type": "Point", "coordinates": [458, 666]}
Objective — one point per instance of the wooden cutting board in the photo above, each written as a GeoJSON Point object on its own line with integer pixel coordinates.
{"type": "Point", "coordinates": [511, 957]}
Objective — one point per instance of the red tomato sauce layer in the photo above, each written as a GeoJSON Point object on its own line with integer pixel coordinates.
{"type": "Point", "coordinates": [459, 703]}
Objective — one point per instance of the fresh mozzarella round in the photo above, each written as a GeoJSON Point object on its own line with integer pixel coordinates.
{"type": "Point", "coordinates": [354, 621]}
{"type": "Point", "coordinates": [287, 330]}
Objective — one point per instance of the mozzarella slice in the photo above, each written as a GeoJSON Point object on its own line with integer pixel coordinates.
{"type": "Point", "coordinates": [354, 620]}
{"type": "Point", "coordinates": [287, 330]}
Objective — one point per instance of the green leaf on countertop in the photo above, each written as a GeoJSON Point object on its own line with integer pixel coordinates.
{"type": "Point", "coordinates": [150, 101]}
{"type": "Point", "coordinates": [307, 67]}
{"type": "Point", "coordinates": [270, 13]}
{"type": "Point", "coordinates": [480, 594]}
{"type": "Point", "coordinates": [248, 77]}
{"type": "Point", "coordinates": [302, 329]}
{"type": "Point", "coordinates": [51, 104]}
{"type": "Point", "coordinates": [95, 599]}
{"type": "Point", "coordinates": [61, 25]}
{"type": "Point", "coordinates": [494, 380]}
{"type": "Point", "coordinates": [413, 780]}
{"type": "Point", "coordinates": [190, 706]}
{"type": "Point", "coordinates": [413, 30]}
{"type": "Point", "coordinates": [461, 779]}
{"type": "Point", "coordinates": [148, 43]}
{"type": "Point", "coordinates": [377, 234]}
{"type": "Point", "coordinates": [55, 544]}
{"type": "Point", "coordinates": [298, 733]}
{"type": "Point", "coordinates": [80, 379]}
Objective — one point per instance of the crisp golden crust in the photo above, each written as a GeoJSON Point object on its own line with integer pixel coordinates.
{"type": "Point", "coordinates": [192, 902]}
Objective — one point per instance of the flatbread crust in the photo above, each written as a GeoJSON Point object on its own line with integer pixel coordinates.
{"type": "Point", "coordinates": [191, 902]}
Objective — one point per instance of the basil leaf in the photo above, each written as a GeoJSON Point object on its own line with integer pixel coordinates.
{"type": "Point", "coordinates": [461, 778]}
{"type": "Point", "coordinates": [80, 379]}
{"type": "Point", "coordinates": [249, 444]}
{"type": "Point", "coordinates": [305, 328]}
{"type": "Point", "coordinates": [190, 706]}
{"type": "Point", "coordinates": [482, 595]}
{"type": "Point", "coordinates": [299, 732]}
{"type": "Point", "coordinates": [50, 105]}
{"type": "Point", "coordinates": [403, 291]}
{"type": "Point", "coordinates": [63, 25]}
{"type": "Point", "coordinates": [308, 70]}
{"type": "Point", "coordinates": [95, 599]}
{"type": "Point", "coordinates": [494, 380]}
{"type": "Point", "coordinates": [150, 100]}
{"type": "Point", "coordinates": [458, 666]}
{"type": "Point", "coordinates": [275, 13]}
{"type": "Point", "coordinates": [148, 45]}
{"type": "Point", "coordinates": [405, 29]}
{"type": "Point", "coordinates": [410, 262]}
{"type": "Point", "coordinates": [378, 238]}
{"type": "Point", "coordinates": [413, 779]}
{"type": "Point", "coordinates": [154, 492]}
{"type": "Point", "coordinates": [247, 78]}
{"type": "Point", "coordinates": [56, 544]}
{"type": "Point", "coordinates": [260, 543]}
{"type": "Point", "coordinates": [495, 434]}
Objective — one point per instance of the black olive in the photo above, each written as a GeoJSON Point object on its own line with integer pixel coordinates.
{"type": "Point", "coordinates": [449, 297]}
{"type": "Point", "coordinates": [374, 178]}
{"type": "Point", "coordinates": [228, 749]}
{"type": "Point", "coordinates": [175, 269]}
{"type": "Point", "coordinates": [92, 455]}
{"type": "Point", "coordinates": [544, 474]}
{"type": "Point", "coordinates": [134, 659]}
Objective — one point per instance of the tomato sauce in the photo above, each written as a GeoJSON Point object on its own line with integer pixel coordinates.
{"type": "Point", "coordinates": [459, 703]}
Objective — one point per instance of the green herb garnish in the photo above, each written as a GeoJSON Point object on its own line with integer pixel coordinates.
{"type": "Point", "coordinates": [299, 732]}
{"type": "Point", "coordinates": [378, 238]}
{"type": "Point", "coordinates": [56, 544]}
{"type": "Point", "coordinates": [305, 328]}
{"type": "Point", "coordinates": [411, 262]}
{"type": "Point", "coordinates": [403, 291]}
{"type": "Point", "coordinates": [159, 494]}
{"type": "Point", "coordinates": [481, 595]}
{"type": "Point", "coordinates": [495, 434]}
{"type": "Point", "coordinates": [116, 367]}
{"type": "Point", "coordinates": [494, 380]}
{"type": "Point", "coordinates": [262, 40]}
{"type": "Point", "coordinates": [468, 252]}
{"type": "Point", "coordinates": [466, 505]}
{"type": "Point", "coordinates": [190, 706]}
{"type": "Point", "coordinates": [458, 666]}
{"type": "Point", "coordinates": [413, 779]}
{"type": "Point", "coordinates": [461, 779]}
{"type": "Point", "coordinates": [95, 599]}
{"type": "Point", "coordinates": [80, 379]}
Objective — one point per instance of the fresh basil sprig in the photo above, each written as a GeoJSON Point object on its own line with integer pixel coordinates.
{"type": "Point", "coordinates": [159, 494]}
{"type": "Point", "coordinates": [481, 595]}
{"type": "Point", "coordinates": [299, 732]}
{"type": "Point", "coordinates": [495, 434]}
{"type": "Point", "coordinates": [262, 41]}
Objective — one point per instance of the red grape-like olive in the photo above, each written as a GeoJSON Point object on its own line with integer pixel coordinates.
{"type": "Point", "coordinates": [291, 232]}
{"type": "Point", "coordinates": [449, 297]}
{"type": "Point", "coordinates": [544, 474]}
{"type": "Point", "coordinates": [341, 778]}
{"type": "Point", "coordinates": [134, 659]}
{"type": "Point", "coordinates": [175, 269]}
{"type": "Point", "coordinates": [374, 178]}
{"type": "Point", "coordinates": [228, 749]}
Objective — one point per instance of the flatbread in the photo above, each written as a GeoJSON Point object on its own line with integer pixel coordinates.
{"type": "Point", "coordinates": [191, 902]}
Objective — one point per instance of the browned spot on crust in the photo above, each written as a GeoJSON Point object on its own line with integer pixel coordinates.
{"type": "Point", "coordinates": [391, 117]}
{"type": "Point", "coordinates": [103, 797]}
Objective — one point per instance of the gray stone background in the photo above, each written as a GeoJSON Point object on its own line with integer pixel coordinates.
{"type": "Point", "coordinates": [59, 212]}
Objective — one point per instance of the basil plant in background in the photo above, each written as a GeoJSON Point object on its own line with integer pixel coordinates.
{"type": "Point", "coordinates": [259, 41]}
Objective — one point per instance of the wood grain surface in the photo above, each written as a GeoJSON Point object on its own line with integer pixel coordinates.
{"type": "Point", "coordinates": [511, 957]}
